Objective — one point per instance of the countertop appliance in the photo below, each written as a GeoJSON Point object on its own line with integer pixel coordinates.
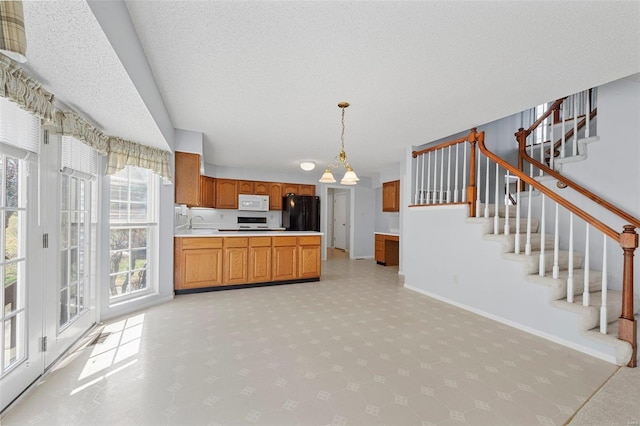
{"type": "Point", "coordinates": [254, 203]}
{"type": "Point", "coordinates": [301, 213]}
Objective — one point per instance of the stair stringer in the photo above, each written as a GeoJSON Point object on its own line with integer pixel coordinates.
{"type": "Point", "coordinates": [447, 258]}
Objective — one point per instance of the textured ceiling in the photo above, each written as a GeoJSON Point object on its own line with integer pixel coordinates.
{"type": "Point", "coordinates": [69, 53]}
{"type": "Point", "coordinates": [262, 79]}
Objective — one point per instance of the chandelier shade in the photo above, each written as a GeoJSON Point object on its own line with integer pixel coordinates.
{"type": "Point", "coordinates": [350, 177]}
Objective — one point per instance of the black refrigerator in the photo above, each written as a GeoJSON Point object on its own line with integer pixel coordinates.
{"type": "Point", "coordinates": [301, 213]}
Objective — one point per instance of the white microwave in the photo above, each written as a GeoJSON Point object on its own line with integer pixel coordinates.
{"type": "Point", "coordinates": [253, 203]}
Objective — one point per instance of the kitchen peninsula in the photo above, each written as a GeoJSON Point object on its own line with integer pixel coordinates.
{"type": "Point", "coordinates": [207, 259]}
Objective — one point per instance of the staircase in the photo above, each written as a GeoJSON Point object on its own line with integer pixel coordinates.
{"type": "Point", "coordinates": [577, 266]}
{"type": "Point", "coordinates": [587, 317]}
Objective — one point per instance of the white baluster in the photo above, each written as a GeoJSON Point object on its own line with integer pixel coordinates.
{"type": "Point", "coordinates": [575, 125]}
{"type": "Point", "coordinates": [478, 183]}
{"type": "Point", "coordinates": [543, 221]}
{"type": "Point", "coordinates": [448, 194]}
{"type": "Point", "coordinates": [507, 199]}
{"type": "Point", "coordinates": [422, 183]}
{"type": "Point", "coordinates": [455, 185]}
{"type": "Point", "coordinates": [486, 195]}
{"type": "Point", "coordinates": [517, 237]}
{"type": "Point", "coordinates": [496, 216]}
{"type": "Point", "coordinates": [428, 192]}
{"type": "Point", "coordinates": [603, 308]}
{"type": "Point", "coordinates": [441, 176]}
{"type": "Point", "coordinates": [556, 246]}
{"type": "Point", "coordinates": [434, 197]}
{"type": "Point", "coordinates": [570, 265]}
{"type": "Point", "coordinates": [552, 146]}
{"type": "Point", "coordinates": [464, 173]}
{"type": "Point", "coordinates": [564, 132]}
{"type": "Point", "coordinates": [527, 245]}
{"type": "Point", "coordinates": [585, 288]}
{"type": "Point", "coordinates": [417, 169]}
{"type": "Point", "coordinates": [588, 112]}
{"type": "Point", "coordinates": [541, 145]}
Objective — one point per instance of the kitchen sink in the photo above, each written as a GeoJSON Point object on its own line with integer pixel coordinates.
{"type": "Point", "coordinates": [199, 231]}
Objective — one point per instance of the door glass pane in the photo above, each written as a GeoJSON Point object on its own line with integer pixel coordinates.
{"type": "Point", "coordinates": [73, 265]}
{"type": "Point", "coordinates": [11, 179]}
{"type": "Point", "coordinates": [74, 194]}
{"type": "Point", "coordinates": [64, 265]}
{"type": "Point", "coordinates": [64, 306]}
{"type": "Point", "coordinates": [64, 193]}
{"type": "Point", "coordinates": [64, 230]}
{"type": "Point", "coordinates": [12, 339]}
{"type": "Point", "coordinates": [10, 288]}
{"type": "Point", "coordinates": [73, 238]}
{"type": "Point", "coordinates": [73, 302]}
{"type": "Point", "coordinates": [11, 234]}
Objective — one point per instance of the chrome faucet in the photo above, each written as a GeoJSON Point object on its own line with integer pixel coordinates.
{"type": "Point", "coordinates": [191, 220]}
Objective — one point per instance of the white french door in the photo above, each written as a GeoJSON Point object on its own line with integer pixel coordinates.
{"type": "Point", "coordinates": [69, 300]}
{"type": "Point", "coordinates": [21, 356]}
{"type": "Point", "coordinates": [340, 220]}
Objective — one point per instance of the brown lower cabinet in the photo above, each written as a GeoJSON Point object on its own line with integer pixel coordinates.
{"type": "Point", "coordinates": [198, 263]}
{"type": "Point", "coordinates": [202, 262]}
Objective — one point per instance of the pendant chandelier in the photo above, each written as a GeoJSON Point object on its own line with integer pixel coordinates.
{"type": "Point", "coordinates": [349, 177]}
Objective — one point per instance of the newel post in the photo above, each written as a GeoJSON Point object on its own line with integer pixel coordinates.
{"type": "Point", "coordinates": [471, 189]}
{"type": "Point", "coordinates": [627, 325]}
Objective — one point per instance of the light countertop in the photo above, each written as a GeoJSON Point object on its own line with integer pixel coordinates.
{"type": "Point", "coordinates": [199, 232]}
{"type": "Point", "coordinates": [388, 233]}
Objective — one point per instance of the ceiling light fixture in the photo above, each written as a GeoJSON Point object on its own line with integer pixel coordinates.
{"type": "Point", "coordinates": [13, 41]}
{"type": "Point", "coordinates": [349, 177]}
{"type": "Point", "coordinates": [307, 166]}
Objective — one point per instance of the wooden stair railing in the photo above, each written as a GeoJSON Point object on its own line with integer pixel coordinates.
{"type": "Point", "coordinates": [627, 239]}
{"type": "Point", "coordinates": [433, 194]}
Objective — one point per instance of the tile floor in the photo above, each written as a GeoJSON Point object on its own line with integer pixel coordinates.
{"type": "Point", "coordinates": [355, 348]}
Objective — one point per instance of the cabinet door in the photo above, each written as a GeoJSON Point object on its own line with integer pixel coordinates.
{"type": "Point", "coordinates": [285, 258]}
{"type": "Point", "coordinates": [202, 267]}
{"type": "Point", "coordinates": [290, 188]}
{"type": "Point", "coordinates": [197, 262]}
{"type": "Point", "coordinates": [380, 248]}
{"type": "Point", "coordinates": [261, 188]}
{"type": "Point", "coordinates": [187, 180]}
{"type": "Point", "coordinates": [259, 264]}
{"type": "Point", "coordinates": [391, 196]}
{"type": "Point", "coordinates": [275, 196]}
{"type": "Point", "coordinates": [309, 261]}
{"type": "Point", "coordinates": [307, 189]}
{"type": "Point", "coordinates": [226, 194]}
{"type": "Point", "coordinates": [236, 265]}
{"type": "Point", "coordinates": [245, 187]}
{"type": "Point", "coordinates": [207, 192]}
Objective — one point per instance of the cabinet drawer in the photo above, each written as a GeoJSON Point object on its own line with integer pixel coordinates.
{"type": "Point", "coordinates": [200, 243]}
{"type": "Point", "coordinates": [309, 241]}
{"type": "Point", "coordinates": [285, 241]}
{"type": "Point", "coordinates": [379, 238]}
{"type": "Point", "coordinates": [236, 242]}
{"type": "Point", "coordinates": [260, 241]}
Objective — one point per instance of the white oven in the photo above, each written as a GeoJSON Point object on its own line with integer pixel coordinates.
{"type": "Point", "coordinates": [254, 203]}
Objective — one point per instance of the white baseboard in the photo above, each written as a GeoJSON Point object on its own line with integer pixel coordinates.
{"type": "Point", "coordinates": [589, 351]}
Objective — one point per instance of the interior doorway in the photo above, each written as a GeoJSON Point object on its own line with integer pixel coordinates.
{"type": "Point", "coordinates": [340, 220]}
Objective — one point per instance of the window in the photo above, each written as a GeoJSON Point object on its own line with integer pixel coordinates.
{"type": "Point", "coordinates": [133, 232]}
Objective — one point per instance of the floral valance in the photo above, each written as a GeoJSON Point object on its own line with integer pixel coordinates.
{"type": "Point", "coordinates": [124, 153]}
{"type": "Point", "coordinates": [18, 86]}
{"type": "Point", "coordinates": [71, 124]}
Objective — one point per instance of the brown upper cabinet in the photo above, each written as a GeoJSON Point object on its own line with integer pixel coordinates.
{"type": "Point", "coordinates": [207, 191]}
{"type": "Point", "coordinates": [227, 193]}
{"type": "Point", "coordinates": [187, 181]}
{"type": "Point", "coordinates": [261, 188]}
{"type": "Point", "coordinates": [391, 196]}
{"type": "Point", "coordinates": [275, 196]}
{"type": "Point", "coordinates": [307, 190]}
{"type": "Point", "coordinates": [245, 187]}
{"type": "Point", "coordinates": [290, 188]}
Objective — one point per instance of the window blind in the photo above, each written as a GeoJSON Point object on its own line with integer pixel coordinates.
{"type": "Point", "coordinates": [18, 129]}
{"type": "Point", "coordinates": [77, 156]}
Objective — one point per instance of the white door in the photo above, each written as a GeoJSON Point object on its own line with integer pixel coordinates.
{"type": "Point", "coordinates": [68, 308]}
{"type": "Point", "coordinates": [340, 220]}
{"type": "Point", "coordinates": [21, 272]}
